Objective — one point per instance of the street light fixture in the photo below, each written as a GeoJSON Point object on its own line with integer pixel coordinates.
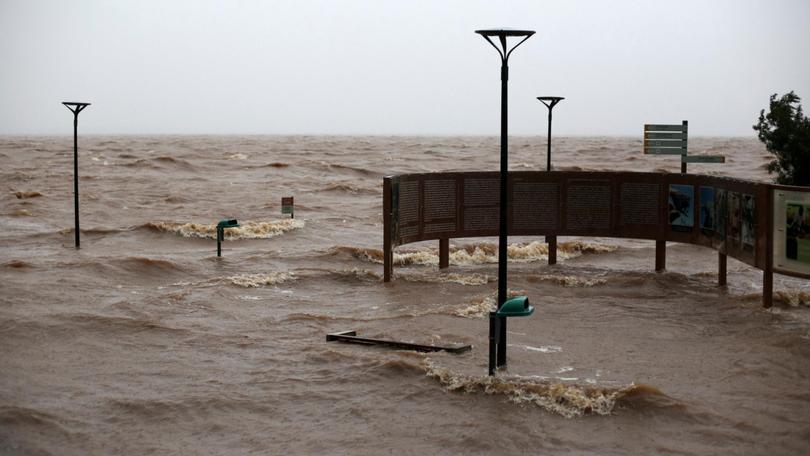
{"type": "Point", "coordinates": [550, 102]}
{"type": "Point", "coordinates": [497, 324]}
{"type": "Point", "coordinates": [76, 108]}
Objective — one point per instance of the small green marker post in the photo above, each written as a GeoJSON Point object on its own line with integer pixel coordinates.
{"type": "Point", "coordinates": [225, 223]}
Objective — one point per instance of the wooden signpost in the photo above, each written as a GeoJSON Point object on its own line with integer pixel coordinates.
{"type": "Point", "coordinates": [288, 206]}
{"type": "Point", "coordinates": [662, 139]}
{"type": "Point", "coordinates": [703, 159]}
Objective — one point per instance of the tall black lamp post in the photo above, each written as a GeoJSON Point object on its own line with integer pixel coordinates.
{"type": "Point", "coordinates": [550, 102]}
{"type": "Point", "coordinates": [76, 108]}
{"type": "Point", "coordinates": [497, 325]}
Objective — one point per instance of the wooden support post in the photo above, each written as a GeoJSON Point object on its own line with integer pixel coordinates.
{"type": "Point", "coordinates": [660, 256]}
{"type": "Point", "coordinates": [388, 263]}
{"type": "Point", "coordinates": [767, 273]}
{"type": "Point", "coordinates": [767, 288]}
{"type": "Point", "coordinates": [444, 253]}
{"type": "Point", "coordinates": [722, 260]}
{"type": "Point", "coordinates": [388, 249]}
{"type": "Point", "coordinates": [684, 153]}
{"type": "Point", "coordinates": [493, 343]}
{"type": "Point", "coordinates": [552, 249]}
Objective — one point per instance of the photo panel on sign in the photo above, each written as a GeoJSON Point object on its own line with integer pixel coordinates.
{"type": "Point", "coordinates": [749, 222]}
{"type": "Point", "coordinates": [681, 207]}
{"type": "Point", "coordinates": [707, 210]}
{"type": "Point", "coordinates": [734, 218]}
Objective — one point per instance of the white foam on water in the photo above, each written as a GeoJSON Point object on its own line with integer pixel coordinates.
{"type": "Point", "coordinates": [247, 230]}
{"type": "Point", "coordinates": [543, 349]}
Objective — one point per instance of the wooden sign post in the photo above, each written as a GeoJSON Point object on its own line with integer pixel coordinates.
{"type": "Point", "coordinates": [672, 140]}
{"type": "Point", "coordinates": [288, 206]}
{"type": "Point", "coordinates": [662, 139]}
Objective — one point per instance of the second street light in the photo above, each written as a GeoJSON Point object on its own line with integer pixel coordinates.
{"type": "Point", "coordinates": [497, 324]}
{"type": "Point", "coordinates": [76, 108]}
{"type": "Point", "coordinates": [550, 102]}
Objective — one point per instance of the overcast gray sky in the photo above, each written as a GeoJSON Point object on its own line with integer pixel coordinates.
{"type": "Point", "coordinates": [395, 67]}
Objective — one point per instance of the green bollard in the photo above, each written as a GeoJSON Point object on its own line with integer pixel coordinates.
{"type": "Point", "coordinates": [225, 223]}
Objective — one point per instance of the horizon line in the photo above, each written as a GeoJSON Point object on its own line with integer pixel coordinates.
{"type": "Point", "coordinates": [377, 135]}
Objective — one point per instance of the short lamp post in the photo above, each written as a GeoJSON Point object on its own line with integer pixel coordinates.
{"type": "Point", "coordinates": [497, 325]}
{"type": "Point", "coordinates": [550, 102]}
{"type": "Point", "coordinates": [76, 108]}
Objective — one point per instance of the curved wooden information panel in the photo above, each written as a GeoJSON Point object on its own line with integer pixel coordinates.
{"type": "Point", "coordinates": [766, 226]}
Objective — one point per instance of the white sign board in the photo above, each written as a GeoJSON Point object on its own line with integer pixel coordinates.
{"type": "Point", "coordinates": [791, 231]}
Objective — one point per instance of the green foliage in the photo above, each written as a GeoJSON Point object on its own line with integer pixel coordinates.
{"type": "Point", "coordinates": [786, 133]}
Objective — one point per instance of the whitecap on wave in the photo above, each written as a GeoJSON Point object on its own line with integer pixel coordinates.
{"type": "Point", "coordinates": [247, 230]}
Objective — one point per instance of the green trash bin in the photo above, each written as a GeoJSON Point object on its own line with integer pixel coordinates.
{"type": "Point", "coordinates": [516, 307]}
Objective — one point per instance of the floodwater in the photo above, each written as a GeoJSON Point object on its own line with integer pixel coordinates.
{"type": "Point", "coordinates": [144, 342]}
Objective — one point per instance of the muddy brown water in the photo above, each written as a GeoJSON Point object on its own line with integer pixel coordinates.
{"type": "Point", "coordinates": [144, 342]}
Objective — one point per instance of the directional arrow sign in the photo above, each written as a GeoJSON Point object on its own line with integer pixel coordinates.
{"type": "Point", "coordinates": [648, 135]}
{"type": "Point", "coordinates": [657, 127]}
{"type": "Point", "coordinates": [664, 143]}
{"type": "Point", "coordinates": [703, 159]}
{"type": "Point", "coordinates": [665, 151]}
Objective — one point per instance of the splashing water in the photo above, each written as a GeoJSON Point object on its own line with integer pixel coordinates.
{"type": "Point", "coordinates": [568, 400]}
{"type": "Point", "coordinates": [247, 230]}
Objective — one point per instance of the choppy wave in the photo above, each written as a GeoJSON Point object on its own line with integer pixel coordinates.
{"type": "Point", "coordinates": [352, 275]}
{"type": "Point", "coordinates": [110, 323]}
{"type": "Point", "coordinates": [25, 195]}
{"type": "Point", "coordinates": [351, 188]}
{"type": "Point", "coordinates": [269, 165]}
{"type": "Point", "coordinates": [481, 306]}
{"type": "Point", "coordinates": [99, 230]}
{"type": "Point", "coordinates": [792, 298]}
{"type": "Point", "coordinates": [160, 163]}
{"type": "Point", "coordinates": [782, 298]}
{"type": "Point", "coordinates": [568, 280]}
{"type": "Point", "coordinates": [16, 264]}
{"type": "Point", "coordinates": [568, 400]}
{"type": "Point", "coordinates": [13, 416]}
{"type": "Point", "coordinates": [452, 277]}
{"type": "Point", "coordinates": [481, 253]}
{"type": "Point", "coordinates": [346, 275]}
{"type": "Point", "coordinates": [177, 199]}
{"type": "Point", "coordinates": [183, 408]}
{"type": "Point", "coordinates": [247, 230]}
{"type": "Point", "coordinates": [137, 267]}
{"type": "Point", "coordinates": [258, 280]}
{"type": "Point", "coordinates": [338, 167]}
